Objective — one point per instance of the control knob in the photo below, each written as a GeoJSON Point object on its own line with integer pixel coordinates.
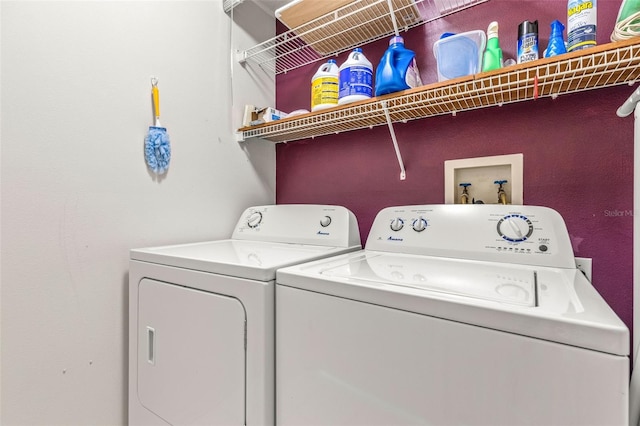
{"type": "Point", "coordinates": [325, 221]}
{"type": "Point", "coordinates": [397, 224]}
{"type": "Point", "coordinates": [515, 228]}
{"type": "Point", "coordinates": [254, 219]}
{"type": "Point", "coordinates": [420, 224]}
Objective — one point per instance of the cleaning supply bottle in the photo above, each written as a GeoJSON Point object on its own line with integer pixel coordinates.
{"type": "Point", "coordinates": [556, 41]}
{"type": "Point", "coordinates": [397, 69]}
{"type": "Point", "coordinates": [356, 78]}
{"type": "Point", "coordinates": [492, 59]}
{"type": "Point", "coordinates": [324, 86]}
{"type": "Point", "coordinates": [582, 17]}
{"type": "Point", "coordinates": [527, 41]}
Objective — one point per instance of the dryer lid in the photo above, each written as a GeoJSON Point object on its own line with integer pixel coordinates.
{"type": "Point", "coordinates": [257, 260]}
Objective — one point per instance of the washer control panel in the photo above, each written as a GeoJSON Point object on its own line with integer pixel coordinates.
{"type": "Point", "coordinates": [299, 224]}
{"type": "Point", "coordinates": [530, 235]}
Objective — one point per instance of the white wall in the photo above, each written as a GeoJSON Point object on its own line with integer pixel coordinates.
{"type": "Point", "coordinates": [76, 194]}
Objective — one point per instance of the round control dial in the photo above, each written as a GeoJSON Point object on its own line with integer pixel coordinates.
{"type": "Point", "coordinates": [420, 224]}
{"type": "Point", "coordinates": [325, 221]}
{"type": "Point", "coordinates": [254, 219]}
{"type": "Point", "coordinates": [515, 228]}
{"type": "Point", "coordinates": [397, 224]}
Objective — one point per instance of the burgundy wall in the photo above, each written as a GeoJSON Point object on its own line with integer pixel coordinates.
{"type": "Point", "coordinates": [578, 155]}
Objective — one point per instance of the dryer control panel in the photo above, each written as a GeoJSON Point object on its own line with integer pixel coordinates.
{"type": "Point", "coordinates": [323, 225]}
{"type": "Point", "coordinates": [528, 235]}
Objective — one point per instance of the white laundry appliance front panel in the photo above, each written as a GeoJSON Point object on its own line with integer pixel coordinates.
{"type": "Point", "coordinates": [451, 315]}
{"type": "Point", "coordinates": [257, 301]}
{"type": "Point", "coordinates": [201, 316]}
{"type": "Point", "coordinates": [345, 362]}
{"type": "Point", "coordinates": [191, 355]}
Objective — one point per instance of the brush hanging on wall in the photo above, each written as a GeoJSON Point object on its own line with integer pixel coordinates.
{"type": "Point", "coordinates": [157, 150]}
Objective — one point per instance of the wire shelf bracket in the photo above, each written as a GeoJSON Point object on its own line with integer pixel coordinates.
{"type": "Point", "coordinates": [403, 173]}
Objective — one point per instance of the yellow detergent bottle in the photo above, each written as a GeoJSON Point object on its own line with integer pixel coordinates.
{"type": "Point", "coordinates": [324, 86]}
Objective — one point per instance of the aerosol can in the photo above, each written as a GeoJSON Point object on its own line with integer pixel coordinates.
{"type": "Point", "coordinates": [582, 18]}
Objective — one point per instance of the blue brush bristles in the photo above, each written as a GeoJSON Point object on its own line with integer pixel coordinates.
{"type": "Point", "coordinates": [157, 150]}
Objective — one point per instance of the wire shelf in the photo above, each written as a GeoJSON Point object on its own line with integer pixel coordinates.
{"type": "Point", "coordinates": [597, 67]}
{"type": "Point", "coordinates": [355, 24]}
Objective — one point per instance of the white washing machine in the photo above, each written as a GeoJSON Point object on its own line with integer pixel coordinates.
{"type": "Point", "coordinates": [451, 315]}
{"type": "Point", "coordinates": [201, 316]}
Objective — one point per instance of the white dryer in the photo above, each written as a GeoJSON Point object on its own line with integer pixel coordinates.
{"type": "Point", "coordinates": [451, 315]}
{"type": "Point", "coordinates": [201, 316]}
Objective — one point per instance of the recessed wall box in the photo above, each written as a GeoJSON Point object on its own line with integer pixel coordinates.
{"type": "Point", "coordinates": [482, 173]}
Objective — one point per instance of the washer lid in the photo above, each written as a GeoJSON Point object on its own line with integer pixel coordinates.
{"type": "Point", "coordinates": [507, 284]}
{"type": "Point", "coordinates": [554, 304]}
{"type": "Point", "coordinates": [257, 260]}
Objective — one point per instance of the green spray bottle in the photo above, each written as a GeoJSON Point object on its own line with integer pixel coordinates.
{"type": "Point", "coordinates": [492, 59]}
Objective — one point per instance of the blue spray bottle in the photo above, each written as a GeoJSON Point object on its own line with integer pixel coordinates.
{"type": "Point", "coordinates": [397, 69]}
{"type": "Point", "coordinates": [556, 41]}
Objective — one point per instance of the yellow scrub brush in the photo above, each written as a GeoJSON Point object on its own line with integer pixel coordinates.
{"type": "Point", "coordinates": [157, 150]}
